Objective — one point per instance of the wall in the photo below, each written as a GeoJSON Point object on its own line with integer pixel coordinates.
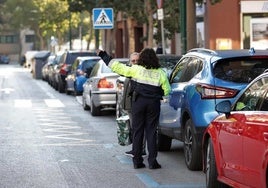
{"type": "Point", "coordinates": [222, 25]}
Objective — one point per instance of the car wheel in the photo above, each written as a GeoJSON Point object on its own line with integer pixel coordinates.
{"type": "Point", "coordinates": [163, 142]}
{"type": "Point", "coordinates": [84, 104]}
{"type": "Point", "coordinates": [61, 87]}
{"type": "Point", "coordinates": [192, 152]}
{"type": "Point", "coordinates": [68, 92]}
{"type": "Point", "coordinates": [211, 169]}
{"type": "Point", "coordinates": [95, 111]}
{"type": "Point", "coordinates": [76, 92]}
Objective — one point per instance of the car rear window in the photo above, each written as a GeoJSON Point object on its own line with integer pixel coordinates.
{"type": "Point", "coordinates": [240, 70]}
{"type": "Point", "coordinates": [73, 55]}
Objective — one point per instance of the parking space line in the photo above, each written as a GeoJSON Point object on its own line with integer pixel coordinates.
{"type": "Point", "coordinates": [124, 159]}
{"type": "Point", "coordinates": [147, 180]}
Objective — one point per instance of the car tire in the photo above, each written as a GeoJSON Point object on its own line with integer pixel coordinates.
{"type": "Point", "coordinates": [61, 87]}
{"type": "Point", "coordinates": [76, 92]}
{"type": "Point", "coordinates": [84, 104]}
{"type": "Point", "coordinates": [211, 169]}
{"type": "Point", "coordinates": [68, 92]}
{"type": "Point", "coordinates": [192, 151]}
{"type": "Point", "coordinates": [163, 142]}
{"type": "Point", "coordinates": [95, 111]}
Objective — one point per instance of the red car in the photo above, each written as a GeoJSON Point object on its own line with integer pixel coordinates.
{"type": "Point", "coordinates": [235, 144]}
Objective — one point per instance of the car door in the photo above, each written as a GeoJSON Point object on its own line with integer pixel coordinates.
{"type": "Point", "coordinates": [239, 137]}
{"type": "Point", "coordinates": [71, 76]}
{"type": "Point", "coordinates": [255, 139]}
{"type": "Point", "coordinates": [171, 107]}
{"type": "Point", "coordinates": [255, 134]}
{"type": "Point", "coordinates": [230, 145]}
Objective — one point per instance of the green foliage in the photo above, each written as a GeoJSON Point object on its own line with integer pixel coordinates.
{"type": "Point", "coordinates": [53, 17]}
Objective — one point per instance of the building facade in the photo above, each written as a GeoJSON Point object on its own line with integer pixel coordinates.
{"type": "Point", "coordinates": [236, 24]}
{"type": "Point", "coordinates": [230, 24]}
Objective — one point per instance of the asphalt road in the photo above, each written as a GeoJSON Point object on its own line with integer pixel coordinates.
{"type": "Point", "coordinates": [47, 140]}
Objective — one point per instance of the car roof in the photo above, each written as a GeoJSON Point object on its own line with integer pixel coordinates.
{"type": "Point", "coordinates": [87, 57]}
{"type": "Point", "coordinates": [168, 55]}
{"type": "Point", "coordinates": [228, 53]}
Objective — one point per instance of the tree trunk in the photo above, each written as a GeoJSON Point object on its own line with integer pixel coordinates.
{"type": "Point", "coordinates": [191, 24]}
{"type": "Point", "coordinates": [149, 11]}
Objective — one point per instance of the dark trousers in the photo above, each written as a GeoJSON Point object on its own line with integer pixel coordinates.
{"type": "Point", "coordinates": [145, 118]}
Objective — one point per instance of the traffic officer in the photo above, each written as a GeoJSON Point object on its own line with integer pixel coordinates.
{"type": "Point", "coordinates": [150, 84]}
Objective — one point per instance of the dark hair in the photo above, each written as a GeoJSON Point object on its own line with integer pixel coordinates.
{"type": "Point", "coordinates": [148, 59]}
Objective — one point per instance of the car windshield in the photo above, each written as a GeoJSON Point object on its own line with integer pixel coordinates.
{"type": "Point", "coordinates": [240, 70]}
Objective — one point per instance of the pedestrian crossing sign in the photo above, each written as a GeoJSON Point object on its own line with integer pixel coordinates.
{"type": "Point", "coordinates": [103, 18]}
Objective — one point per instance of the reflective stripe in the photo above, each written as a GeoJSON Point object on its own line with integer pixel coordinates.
{"type": "Point", "coordinates": [150, 82]}
{"type": "Point", "coordinates": [153, 77]}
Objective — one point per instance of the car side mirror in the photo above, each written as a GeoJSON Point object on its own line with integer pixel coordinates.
{"type": "Point", "coordinates": [224, 107]}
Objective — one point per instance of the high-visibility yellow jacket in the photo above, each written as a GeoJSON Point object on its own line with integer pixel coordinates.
{"type": "Point", "coordinates": [148, 82]}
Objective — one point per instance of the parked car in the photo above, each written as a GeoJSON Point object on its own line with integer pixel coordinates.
{"type": "Point", "coordinates": [64, 65]}
{"type": "Point", "coordinates": [46, 67]}
{"type": "Point", "coordinates": [52, 71]}
{"type": "Point", "coordinates": [235, 144]}
{"type": "Point", "coordinates": [79, 73]}
{"type": "Point", "coordinates": [4, 59]}
{"type": "Point", "coordinates": [201, 79]}
{"type": "Point", "coordinates": [100, 89]}
{"type": "Point", "coordinates": [167, 62]}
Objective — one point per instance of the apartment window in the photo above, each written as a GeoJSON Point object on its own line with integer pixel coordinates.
{"type": "Point", "coordinates": [29, 38]}
{"type": "Point", "coordinates": [7, 39]}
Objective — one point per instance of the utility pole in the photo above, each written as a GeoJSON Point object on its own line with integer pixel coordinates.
{"type": "Point", "coordinates": [182, 5]}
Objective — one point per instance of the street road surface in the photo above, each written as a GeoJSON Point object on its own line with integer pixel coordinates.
{"type": "Point", "coordinates": [47, 140]}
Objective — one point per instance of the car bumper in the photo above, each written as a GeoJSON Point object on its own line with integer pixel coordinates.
{"type": "Point", "coordinates": [104, 99]}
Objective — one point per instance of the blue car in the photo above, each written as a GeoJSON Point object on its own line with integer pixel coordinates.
{"type": "Point", "coordinates": [79, 73]}
{"type": "Point", "coordinates": [201, 79]}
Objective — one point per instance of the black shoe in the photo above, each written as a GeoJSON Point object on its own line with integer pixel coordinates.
{"type": "Point", "coordinates": [155, 165]}
{"type": "Point", "coordinates": [129, 153]}
{"type": "Point", "coordinates": [140, 165]}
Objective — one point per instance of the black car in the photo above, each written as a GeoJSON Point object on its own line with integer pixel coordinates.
{"type": "Point", "coordinates": [64, 66]}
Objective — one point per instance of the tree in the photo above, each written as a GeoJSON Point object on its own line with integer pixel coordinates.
{"type": "Point", "coordinates": [47, 18]}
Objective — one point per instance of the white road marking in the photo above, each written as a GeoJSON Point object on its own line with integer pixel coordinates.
{"type": "Point", "coordinates": [54, 103]}
{"type": "Point", "coordinates": [23, 103]}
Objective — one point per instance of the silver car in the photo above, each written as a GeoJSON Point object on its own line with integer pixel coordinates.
{"type": "Point", "coordinates": [99, 91]}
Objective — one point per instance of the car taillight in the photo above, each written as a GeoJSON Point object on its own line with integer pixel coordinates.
{"type": "Point", "coordinates": [212, 92]}
{"type": "Point", "coordinates": [103, 83]}
{"type": "Point", "coordinates": [63, 69]}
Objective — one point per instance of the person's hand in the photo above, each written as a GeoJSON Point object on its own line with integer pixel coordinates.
{"type": "Point", "coordinates": [98, 51]}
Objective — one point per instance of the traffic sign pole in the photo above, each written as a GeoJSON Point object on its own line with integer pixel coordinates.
{"type": "Point", "coordinates": [160, 15]}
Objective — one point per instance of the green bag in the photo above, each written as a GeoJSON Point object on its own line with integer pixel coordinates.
{"type": "Point", "coordinates": [123, 131]}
